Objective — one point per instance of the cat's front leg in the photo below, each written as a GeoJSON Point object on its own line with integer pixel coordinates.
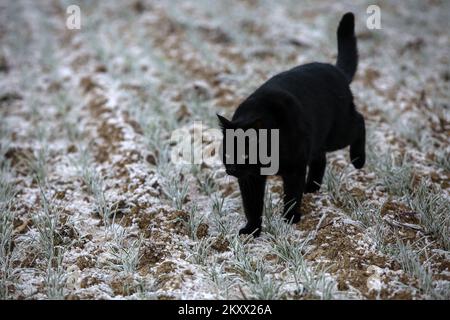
{"type": "Point", "coordinates": [252, 191]}
{"type": "Point", "coordinates": [315, 174]}
{"type": "Point", "coordinates": [294, 185]}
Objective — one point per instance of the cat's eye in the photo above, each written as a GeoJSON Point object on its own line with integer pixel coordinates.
{"type": "Point", "coordinates": [245, 156]}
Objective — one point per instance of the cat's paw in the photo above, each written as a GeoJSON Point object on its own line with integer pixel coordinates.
{"type": "Point", "coordinates": [357, 155]}
{"type": "Point", "coordinates": [253, 230]}
{"type": "Point", "coordinates": [292, 219]}
{"type": "Point", "coordinates": [311, 188]}
{"type": "Point", "coordinates": [358, 162]}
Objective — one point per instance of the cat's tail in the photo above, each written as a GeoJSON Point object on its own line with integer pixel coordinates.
{"type": "Point", "coordinates": [347, 58]}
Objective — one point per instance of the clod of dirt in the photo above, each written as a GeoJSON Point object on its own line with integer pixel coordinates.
{"type": "Point", "coordinates": [165, 268]}
{"type": "Point", "coordinates": [140, 90]}
{"type": "Point", "coordinates": [124, 286]}
{"type": "Point", "coordinates": [60, 195]}
{"type": "Point", "coordinates": [399, 211]}
{"type": "Point", "coordinates": [9, 97]}
{"type": "Point", "coordinates": [4, 67]}
{"type": "Point", "coordinates": [97, 105]}
{"type": "Point", "coordinates": [413, 45]}
{"type": "Point", "coordinates": [202, 230]}
{"type": "Point", "coordinates": [342, 285]}
{"type": "Point", "coordinates": [54, 86]}
{"type": "Point", "coordinates": [228, 190]}
{"type": "Point", "coordinates": [121, 208]}
{"type": "Point", "coordinates": [72, 148]}
{"type": "Point", "coordinates": [277, 189]}
{"type": "Point", "coordinates": [17, 154]}
{"type": "Point", "coordinates": [28, 262]}
{"type": "Point", "coordinates": [298, 43]}
{"type": "Point", "coordinates": [168, 282]}
{"type": "Point", "coordinates": [65, 234]}
{"type": "Point", "coordinates": [151, 159]}
{"type": "Point", "coordinates": [271, 257]}
{"type": "Point", "coordinates": [220, 244]}
{"type": "Point", "coordinates": [401, 295]}
{"type": "Point", "coordinates": [370, 76]}
{"type": "Point", "coordinates": [177, 220]}
{"type": "Point", "coordinates": [110, 133]}
{"type": "Point", "coordinates": [136, 126]}
{"type": "Point", "coordinates": [144, 221]}
{"type": "Point", "coordinates": [188, 272]}
{"type": "Point", "coordinates": [307, 205]}
{"type": "Point", "coordinates": [262, 53]}
{"type": "Point", "coordinates": [357, 193]}
{"type": "Point", "coordinates": [216, 35]}
{"type": "Point", "coordinates": [252, 27]}
{"type": "Point", "coordinates": [89, 281]}
{"type": "Point", "coordinates": [150, 254]}
{"type": "Point", "coordinates": [166, 297]}
{"type": "Point", "coordinates": [80, 61]}
{"type": "Point", "coordinates": [139, 7]}
{"type": "Point", "coordinates": [182, 112]}
{"type": "Point", "coordinates": [88, 84]}
{"type": "Point", "coordinates": [198, 90]}
{"type": "Point", "coordinates": [20, 225]}
{"type": "Point", "coordinates": [101, 68]}
{"type": "Point", "coordinates": [84, 262]}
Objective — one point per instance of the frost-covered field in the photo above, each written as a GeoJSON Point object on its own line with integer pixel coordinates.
{"type": "Point", "coordinates": [92, 208]}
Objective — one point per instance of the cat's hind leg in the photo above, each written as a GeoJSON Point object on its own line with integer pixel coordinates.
{"type": "Point", "coordinates": [358, 146]}
{"type": "Point", "coordinates": [294, 184]}
{"type": "Point", "coordinates": [315, 174]}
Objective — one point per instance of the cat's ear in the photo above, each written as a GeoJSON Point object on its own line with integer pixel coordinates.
{"type": "Point", "coordinates": [223, 122]}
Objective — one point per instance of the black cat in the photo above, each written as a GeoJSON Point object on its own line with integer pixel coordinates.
{"type": "Point", "coordinates": [312, 106]}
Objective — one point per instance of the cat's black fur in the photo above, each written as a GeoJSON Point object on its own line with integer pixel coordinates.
{"type": "Point", "coordinates": [312, 106]}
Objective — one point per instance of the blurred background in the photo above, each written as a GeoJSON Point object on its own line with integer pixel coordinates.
{"type": "Point", "coordinates": [92, 207]}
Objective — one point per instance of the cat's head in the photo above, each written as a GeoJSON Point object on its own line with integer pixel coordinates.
{"type": "Point", "coordinates": [240, 146]}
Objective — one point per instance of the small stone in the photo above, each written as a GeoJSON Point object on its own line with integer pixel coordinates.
{"type": "Point", "coordinates": [151, 159]}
